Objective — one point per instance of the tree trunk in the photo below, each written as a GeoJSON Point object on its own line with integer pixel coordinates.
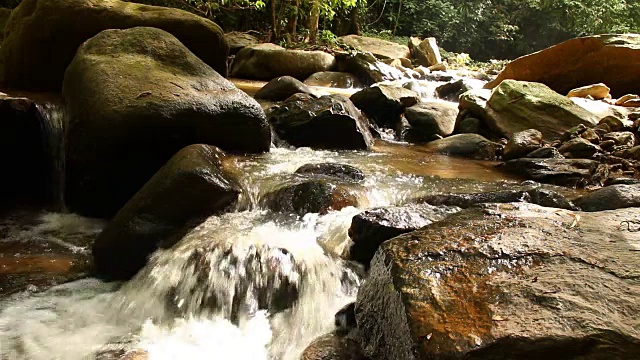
{"type": "Point", "coordinates": [314, 20]}
{"type": "Point", "coordinates": [274, 22]}
{"type": "Point", "coordinates": [292, 21]}
{"type": "Point", "coordinates": [354, 27]}
{"type": "Point", "coordinates": [397, 18]}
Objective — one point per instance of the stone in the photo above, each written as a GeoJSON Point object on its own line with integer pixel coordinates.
{"type": "Point", "coordinates": [430, 118]}
{"type": "Point", "coordinates": [4, 18]}
{"type": "Point", "coordinates": [266, 63]}
{"type": "Point", "coordinates": [552, 199]}
{"type": "Point", "coordinates": [632, 103]}
{"type": "Point", "coordinates": [333, 346]}
{"type": "Point", "coordinates": [625, 98]}
{"type": "Point", "coordinates": [452, 90]}
{"type": "Point", "coordinates": [333, 171]}
{"type": "Point", "coordinates": [345, 318]}
{"type": "Point", "coordinates": [522, 143]}
{"type": "Point", "coordinates": [504, 281]}
{"type": "Point", "coordinates": [579, 62]}
{"type": "Point", "coordinates": [280, 89]}
{"type": "Point", "coordinates": [334, 79]}
{"type": "Point", "coordinates": [633, 153]}
{"type": "Point", "coordinates": [44, 35]}
{"type": "Point", "coordinates": [545, 153]}
{"type": "Point", "coordinates": [466, 145]}
{"type": "Point", "coordinates": [470, 125]}
{"type": "Point", "coordinates": [596, 91]}
{"type": "Point", "coordinates": [367, 68]}
{"type": "Point", "coordinates": [517, 106]}
{"type": "Point", "coordinates": [330, 122]}
{"type": "Point", "coordinates": [426, 52]}
{"type": "Point", "coordinates": [371, 228]}
{"type": "Point", "coordinates": [238, 40]}
{"type": "Point", "coordinates": [384, 103]}
{"type": "Point", "coordinates": [579, 148]}
{"type": "Point", "coordinates": [475, 102]}
{"type": "Point", "coordinates": [573, 133]}
{"type": "Point", "coordinates": [611, 198]}
{"type": "Point", "coordinates": [602, 109]}
{"type": "Point", "coordinates": [193, 185]}
{"type": "Point", "coordinates": [382, 49]}
{"type": "Point", "coordinates": [569, 172]}
{"type": "Point", "coordinates": [535, 196]}
{"type": "Point", "coordinates": [591, 136]}
{"type": "Point", "coordinates": [621, 138]}
{"type": "Point", "coordinates": [123, 128]}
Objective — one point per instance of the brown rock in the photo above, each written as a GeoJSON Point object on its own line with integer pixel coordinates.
{"type": "Point", "coordinates": [382, 49]}
{"type": "Point", "coordinates": [596, 91]}
{"type": "Point", "coordinates": [610, 59]}
{"type": "Point", "coordinates": [426, 52]}
{"type": "Point", "coordinates": [522, 143]}
{"type": "Point", "coordinates": [626, 97]}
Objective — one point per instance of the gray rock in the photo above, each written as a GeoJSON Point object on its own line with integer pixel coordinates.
{"type": "Point", "coordinates": [367, 68]}
{"type": "Point", "coordinates": [269, 62]}
{"type": "Point", "coordinates": [431, 118]}
{"type": "Point", "coordinates": [384, 103]}
{"type": "Point", "coordinates": [280, 89]}
{"type": "Point", "coordinates": [579, 148]}
{"type": "Point", "coordinates": [522, 143]}
{"type": "Point", "coordinates": [334, 79]}
{"type": "Point", "coordinates": [238, 40]}
{"type": "Point", "coordinates": [621, 138]}
{"type": "Point", "coordinates": [570, 172]}
{"type": "Point", "coordinates": [466, 145]}
{"type": "Point", "coordinates": [611, 198]}
{"type": "Point", "coordinates": [333, 346]}
{"type": "Point", "coordinates": [545, 153]}
{"type": "Point", "coordinates": [537, 196]}
{"type": "Point", "coordinates": [505, 281]}
{"type": "Point", "coordinates": [333, 170]}
{"type": "Point", "coordinates": [470, 125]}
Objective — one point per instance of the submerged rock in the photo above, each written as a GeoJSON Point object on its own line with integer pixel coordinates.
{"type": "Point", "coordinates": [333, 170]}
{"type": "Point", "coordinates": [333, 346]}
{"type": "Point", "coordinates": [571, 172]}
{"type": "Point", "coordinates": [507, 281]}
{"type": "Point", "coordinates": [334, 79]}
{"type": "Point", "coordinates": [467, 145]}
{"type": "Point", "coordinates": [191, 186]}
{"type": "Point", "coordinates": [429, 119]}
{"type": "Point", "coordinates": [382, 49]}
{"type": "Point", "coordinates": [611, 198]}
{"type": "Point", "coordinates": [384, 103]}
{"type": "Point", "coordinates": [123, 128]}
{"type": "Point", "coordinates": [280, 89]}
{"type": "Point", "coordinates": [330, 122]}
{"type": "Point", "coordinates": [371, 228]}
{"type": "Point", "coordinates": [43, 36]}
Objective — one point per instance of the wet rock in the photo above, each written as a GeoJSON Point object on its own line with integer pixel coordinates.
{"type": "Point", "coordinates": [579, 62]}
{"type": "Point", "coordinates": [591, 136]}
{"type": "Point", "coordinates": [330, 122]}
{"type": "Point", "coordinates": [367, 68]}
{"type": "Point", "coordinates": [333, 170]}
{"type": "Point", "coordinates": [429, 119]}
{"type": "Point", "coordinates": [426, 52]}
{"type": "Point", "coordinates": [517, 106]}
{"type": "Point", "coordinates": [475, 101]}
{"type": "Point", "coordinates": [382, 49]}
{"type": "Point", "coordinates": [266, 63]}
{"type": "Point", "coordinates": [191, 186]}
{"type": "Point", "coordinates": [596, 91]}
{"type": "Point", "coordinates": [35, 55]}
{"type": "Point", "coordinates": [345, 318]}
{"type": "Point", "coordinates": [545, 153]}
{"type": "Point", "coordinates": [616, 124]}
{"type": "Point", "coordinates": [573, 133]}
{"type": "Point", "coordinates": [470, 125]}
{"type": "Point", "coordinates": [621, 138]}
{"type": "Point", "coordinates": [467, 145]}
{"type": "Point", "coordinates": [280, 89]}
{"type": "Point", "coordinates": [633, 153]}
{"type": "Point", "coordinates": [238, 40]}
{"type": "Point", "coordinates": [314, 196]}
{"type": "Point", "coordinates": [384, 103]}
{"type": "Point", "coordinates": [511, 279]}
{"type": "Point", "coordinates": [333, 346]}
{"type": "Point", "coordinates": [579, 148]}
{"type": "Point", "coordinates": [611, 198]}
{"type": "Point", "coordinates": [522, 143]}
{"type": "Point", "coordinates": [548, 198]}
{"type": "Point", "coordinates": [452, 90]}
{"type": "Point", "coordinates": [123, 128]}
{"type": "Point", "coordinates": [570, 172]}
{"type": "Point", "coordinates": [371, 228]}
{"type": "Point", "coordinates": [334, 79]}
{"type": "Point", "coordinates": [537, 196]}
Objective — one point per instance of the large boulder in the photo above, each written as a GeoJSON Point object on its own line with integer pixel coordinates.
{"type": "Point", "coordinates": [333, 346]}
{"type": "Point", "coordinates": [191, 186]}
{"type": "Point", "coordinates": [42, 36]}
{"type": "Point", "coordinates": [517, 106]}
{"type": "Point", "coordinates": [536, 196]}
{"type": "Point", "coordinates": [430, 118]}
{"type": "Point", "coordinates": [610, 59]}
{"type": "Point", "coordinates": [269, 62]}
{"type": "Point", "coordinates": [238, 40]}
{"type": "Point", "coordinates": [512, 281]}
{"type": "Point", "coordinates": [426, 52]}
{"type": "Point", "coordinates": [466, 145]}
{"type": "Point", "coordinates": [385, 103]}
{"type": "Point", "coordinates": [330, 122]}
{"type": "Point", "coordinates": [280, 89]}
{"type": "Point", "coordinates": [571, 172]}
{"type": "Point", "coordinates": [134, 98]}
{"type": "Point", "coordinates": [334, 79]}
{"type": "Point", "coordinates": [367, 68]}
{"type": "Point", "coordinates": [611, 198]}
{"type": "Point", "coordinates": [382, 49]}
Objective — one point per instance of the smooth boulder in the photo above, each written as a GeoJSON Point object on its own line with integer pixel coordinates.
{"type": "Point", "coordinates": [330, 122]}
{"type": "Point", "coordinates": [123, 128]}
{"type": "Point", "coordinates": [333, 346]}
{"type": "Point", "coordinates": [611, 59]}
{"type": "Point", "coordinates": [238, 40]}
{"type": "Point", "coordinates": [367, 68]}
{"type": "Point", "coordinates": [280, 89]}
{"type": "Point", "coordinates": [430, 118]}
{"type": "Point", "coordinates": [426, 52]}
{"type": "Point", "coordinates": [43, 36]}
{"type": "Point", "coordinates": [509, 281]}
{"type": "Point", "coordinates": [192, 185]}
{"type": "Point", "coordinates": [269, 62]}
{"type": "Point", "coordinates": [332, 171]}
{"type": "Point", "coordinates": [570, 172]}
{"type": "Point", "coordinates": [334, 79]}
{"type": "Point", "coordinates": [611, 198]}
{"type": "Point", "coordinates": [384, 103]}
{"type": "Point", "coordinates": [382, 49]}
{"type": "Point", "coordinates": [466, 145]}
{"type": "Point", "coordinates": [522, 143]}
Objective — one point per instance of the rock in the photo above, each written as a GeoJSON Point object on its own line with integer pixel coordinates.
{"type": "Point", "coordinates": [382, 49]}
{"type": "Point", "coordinates": [191, 186]}
{"type": "Point", "coordinates": [238, 40]}
{"type": "Point", "coordinates": [508, 281]}
{"type": "Point", "coordinates": [570, 172]}
{"type": "Point", "coordinates": [535, 196]}
{"type": "Point", "coordinates": [371, 228]}
{"type": "Point", "coordinates": [123, 128]}
{"type": "Point", "coordinates": [266, 63]}
{"type": "Point", "coordinates": [43, 36]}
{"type": "Point", "coordinates": [621, 138]}
{"type": "Point", "coordinates": [545, 153]}
{"type": "Point", "coordinates": [517, 106]}
{"type": "Point", "coordinates": [333, 346]}
{"type": "Point", "coordinates": [573, 133]}
{"type": "Point", "coordinates": [623, 99]}
{"type": "Point", "coordinates": [367, 68]}
{"type": "Point", "coordinates": [452, 90]}
{"type": "Point", "coordinates": [334, 79]}
{"type": "Point", "coordinates": [611, 198]}
{"type": "Point", "coordinates": [384, 103]}
{"type": "Point", "coordinates": [467, 145]}
{"type": "Point", "coordinates": [426, 52]}
{"type": "Point", "coordinates": [475, 102]}
{"type": "Point", "coordinates": [601, 109]}
{"type": "Point", "coordinates": [522, 143]}
{"type": "Point", "coordinates": [4, 18]}
{"type": "Point", "coordinates": [345, 318]}
{"type": "Point", "coordinates": [330, 122]}
{"type": "Point", "coordinates": [591, 136]}
{"type": "Point", "coordinates": [632, 103]}
{"type": "Point", "coordinates": [279, 89]}
{"type": "Point", "coordinates": [633, 153]}
{"type": "Point", "coordinates": [470, 125]}
{"type": "Point", "coordinates": [333, 170]}
{"type": "Point", "coordinates": [552, 199]}
{"type": "Point", "coordinates": [314, 196]}
{"type": "Point", "coordinates": [616, 124]}
{"type": "Point", "coordinates": [399, 63]}
{"type": "Point", "coordinates": [431, 118]}
{"type": "Point", "coordinates": [596, 91]}
{"type": "Point", "coordinates": [579, 62]}
{"type": "Point", "coordinates": [579, 148]}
